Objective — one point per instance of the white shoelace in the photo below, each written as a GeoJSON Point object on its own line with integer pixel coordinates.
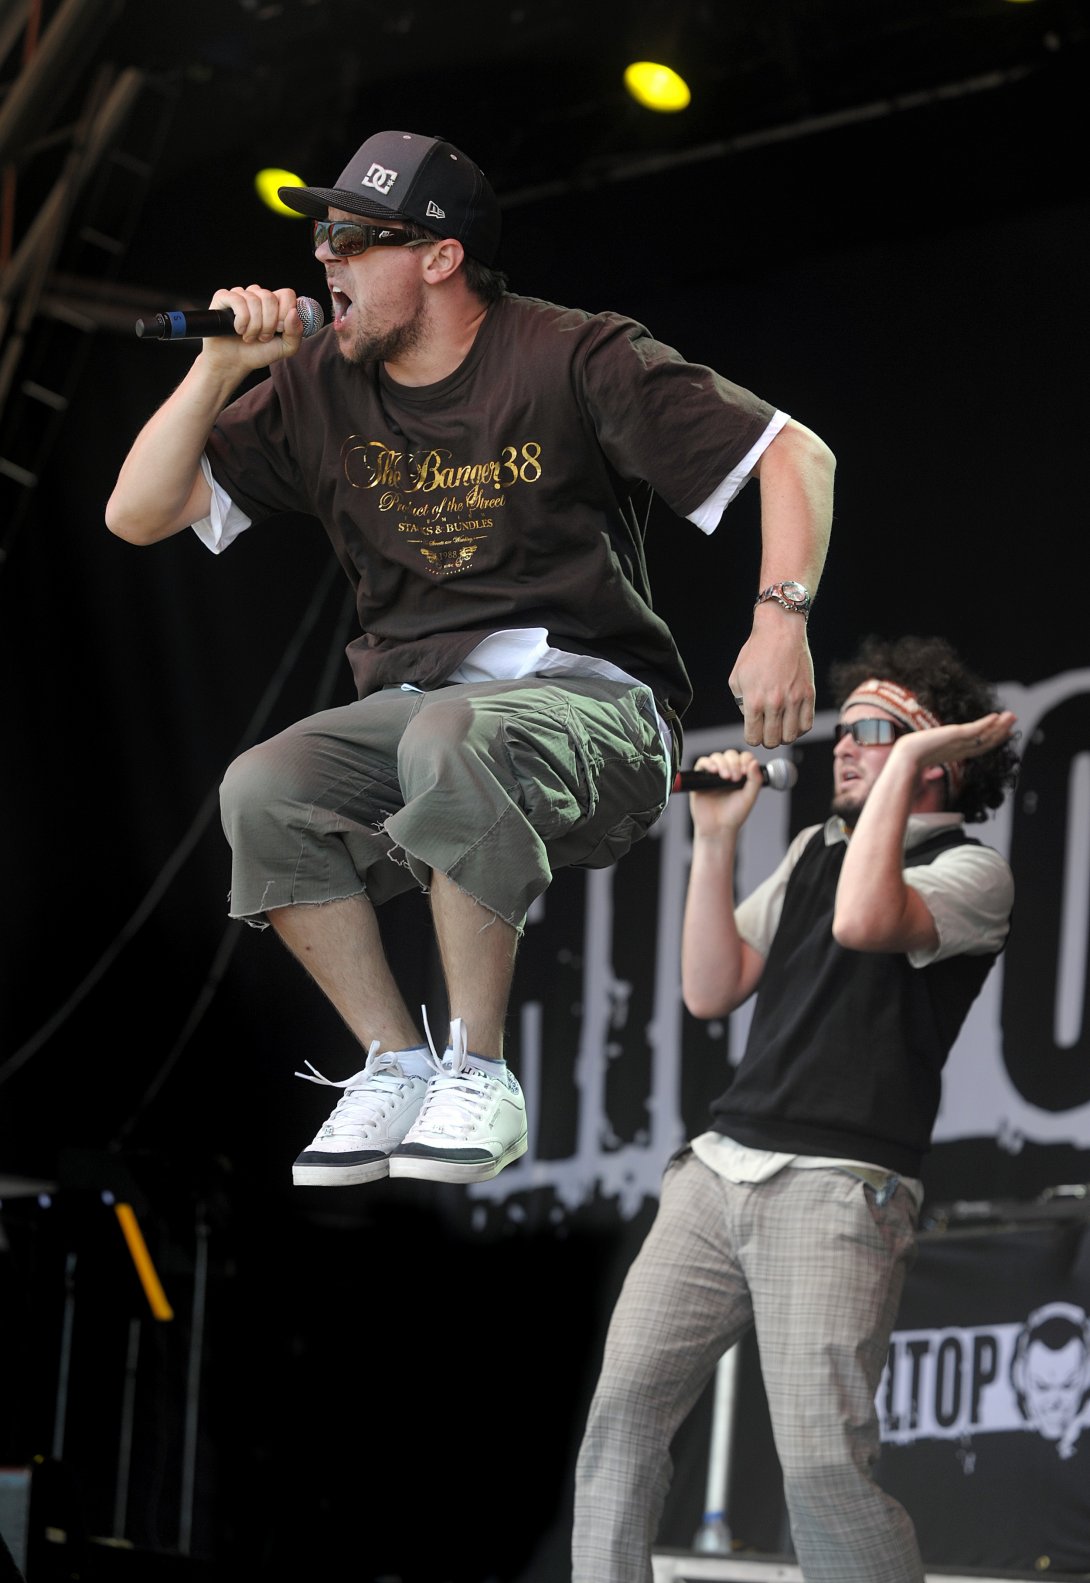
{"type": "Point", "coordinates": [363, 1103]}
{"type": "Point", "coordinates": [458, 1095]}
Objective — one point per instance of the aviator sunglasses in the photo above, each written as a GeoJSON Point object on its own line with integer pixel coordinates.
{"type": "Point", "coordinates": [348, 238]}
{"type": "Point", "coordinates": [869, 733]}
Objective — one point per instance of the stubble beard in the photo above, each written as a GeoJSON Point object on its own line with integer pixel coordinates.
{"type": "Point", "coordinates": [386, 346]}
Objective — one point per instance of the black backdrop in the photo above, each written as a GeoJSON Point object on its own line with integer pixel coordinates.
{"type": "Point", "coordinates": [396, 1378]}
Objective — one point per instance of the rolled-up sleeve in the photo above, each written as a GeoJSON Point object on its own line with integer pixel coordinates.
{"type": "Point", "coordinates": [969, 893]}
{"type": "Point", "coordinates": [225, 521]}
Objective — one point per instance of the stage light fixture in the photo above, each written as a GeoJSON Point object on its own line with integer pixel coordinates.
{"type": "Point", "coordinates": [656, 87]}
{"type": "Point", "coordinates": [267, 181]}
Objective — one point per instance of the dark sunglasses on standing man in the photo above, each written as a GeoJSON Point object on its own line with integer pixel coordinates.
{"type": "Point", "coordinates": [869, 733]}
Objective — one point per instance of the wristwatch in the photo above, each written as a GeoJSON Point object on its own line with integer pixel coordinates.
{"type": "Point", "coordinates": [792, 596]}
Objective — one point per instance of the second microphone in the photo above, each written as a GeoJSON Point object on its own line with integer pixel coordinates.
{"type": "Point", "coordinates": [780, 774]}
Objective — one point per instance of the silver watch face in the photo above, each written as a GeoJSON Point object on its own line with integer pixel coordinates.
{"type": "Point", "coordinates": [795, 592]}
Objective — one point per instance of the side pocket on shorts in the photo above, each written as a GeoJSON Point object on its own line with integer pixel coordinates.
{"type": "Point", "coordinates": [554, 789]}
{"type": "Point", "coordinates": [638, 776]}
{"type": "Point", "coordinates": [589, 793]}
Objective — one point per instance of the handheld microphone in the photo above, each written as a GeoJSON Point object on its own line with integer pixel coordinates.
{"type": "Point", "coordinates": [197, 324]}
{"type": "Point", "coordinates": [780, 774]}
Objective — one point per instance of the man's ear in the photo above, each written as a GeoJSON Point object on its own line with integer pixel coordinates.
{"type": "Point", "coordinates": [934, 790]}
{"type": "Point", "coordinates": [442, 258]}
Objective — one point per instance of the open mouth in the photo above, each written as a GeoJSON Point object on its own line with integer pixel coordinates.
{"type": "Point", "coordinates": [342, 305]}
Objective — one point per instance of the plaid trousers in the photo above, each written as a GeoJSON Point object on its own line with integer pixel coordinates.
{"type": "Point", "coordinates": [818, 1266]}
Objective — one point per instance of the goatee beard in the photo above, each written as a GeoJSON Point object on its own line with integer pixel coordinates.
{"type": "Point", "coordinates": [847, 813]}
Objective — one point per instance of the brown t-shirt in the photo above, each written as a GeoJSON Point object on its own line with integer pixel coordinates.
{"type": "Point", "coordinates": [513, 493]}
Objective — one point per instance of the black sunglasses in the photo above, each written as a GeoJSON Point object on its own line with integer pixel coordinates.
{"type": "Point", "coordinates": [869, 733]}
{"type": "Point", "coordinates": [349, 238]}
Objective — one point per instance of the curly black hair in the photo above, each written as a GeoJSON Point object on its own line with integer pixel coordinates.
{"type": "Point", "coordinates": [933, 670]}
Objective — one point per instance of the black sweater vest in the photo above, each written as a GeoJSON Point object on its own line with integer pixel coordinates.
{"type": "Point", "coordinates": [846, 1048]}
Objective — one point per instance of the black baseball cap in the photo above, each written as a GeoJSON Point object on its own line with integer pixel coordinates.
{"type": "Point", "coordinates": [404, 176]}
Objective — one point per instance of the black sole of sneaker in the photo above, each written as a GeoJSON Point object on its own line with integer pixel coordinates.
{"type": "Point", "coordinates": [339, 1176]}
{"type": "Point", "coordinates": [434, 1168]}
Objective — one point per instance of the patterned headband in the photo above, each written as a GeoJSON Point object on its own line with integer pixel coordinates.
{"type": "Point", "coordinates": [907, 708]}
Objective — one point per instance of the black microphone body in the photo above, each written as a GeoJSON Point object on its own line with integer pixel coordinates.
{"type": "Point", "coordinates": [780, 774]}
{"type": "Point", "coordinates": [198, 323]}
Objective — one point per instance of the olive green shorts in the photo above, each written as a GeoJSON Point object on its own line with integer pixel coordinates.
{"type": "Point", "coordinates": [495, 784]}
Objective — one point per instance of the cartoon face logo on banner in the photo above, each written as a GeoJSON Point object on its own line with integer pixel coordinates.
{"type": "Point", "coordinates": [952, 1382]}
{"type": "Point", "coordinates": [1050, 1373]}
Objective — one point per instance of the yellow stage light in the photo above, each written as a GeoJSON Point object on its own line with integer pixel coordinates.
{"type": "Point", "coordinates": [267, 181]}
{"type": "Point", "coordinates": [656, 87]}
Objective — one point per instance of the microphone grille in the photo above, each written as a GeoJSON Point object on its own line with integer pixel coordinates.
{"type": "Point", "coordinates": [782, 774]}
{"type": "Point", "coordinates": [311, 313]}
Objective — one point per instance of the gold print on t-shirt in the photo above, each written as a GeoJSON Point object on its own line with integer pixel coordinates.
{"type": "Point", "coordinates": [448, 559]}
{"type": "Point", "coordinates": [442, 508]}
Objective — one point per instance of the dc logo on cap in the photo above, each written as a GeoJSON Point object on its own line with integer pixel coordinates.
{"type": "Point", "coordinates": [379, 178]}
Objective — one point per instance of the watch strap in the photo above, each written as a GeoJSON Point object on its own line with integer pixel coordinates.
{"type": "Point", "coordinates": [791, 595]}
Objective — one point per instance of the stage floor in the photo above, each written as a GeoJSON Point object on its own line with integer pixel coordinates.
{"type": "Point", "coordinates": [690, 1566]}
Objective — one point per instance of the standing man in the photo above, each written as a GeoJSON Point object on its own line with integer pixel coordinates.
{"type": "Point", "coordinates": [796, 1213]}
{"type": "Point", "coordinates": [483, 464]}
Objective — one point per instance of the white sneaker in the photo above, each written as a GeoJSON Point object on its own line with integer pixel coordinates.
{"type": "Point", "coordinates": [378, 1107]}
{"type": "Point", "coordinates": [470, 1125]}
